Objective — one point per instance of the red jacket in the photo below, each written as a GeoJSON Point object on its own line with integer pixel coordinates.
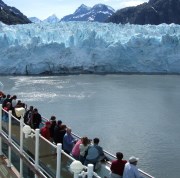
{"type": "Point", "coordinates": [117, 166]}
{"type": "Point", "coordinates": [45, 132]}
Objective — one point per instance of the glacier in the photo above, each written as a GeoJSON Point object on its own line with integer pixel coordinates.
{"type": "Point", "coordinates": [89, 47]}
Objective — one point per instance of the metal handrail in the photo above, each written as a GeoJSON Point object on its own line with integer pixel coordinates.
{"type": "Point", "coordinates": [75, 135]}
{"type": "Point", "coordinates": [24, 155]}
{"type": "Point", "coordinates": [109, 154]}
{"type": "Point", "coordinates": [15, 147]}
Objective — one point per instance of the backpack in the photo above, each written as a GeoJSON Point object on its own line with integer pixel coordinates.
{"type": "Point", "coordinates": [92, 153]}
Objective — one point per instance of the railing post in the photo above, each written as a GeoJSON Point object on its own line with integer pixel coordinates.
{"type": "Point", "coordinates": [21, 146]}
{"type": "Point", "coordinates": [9, 139]}
{"type": "Point", "coordinates": [90, 170]}
{"type": "Point", "coordinates": [37, 150]}
{"type": "Point", "coordinates": [1, 129]}
{"type": "Point", "coordinates": [58, 169]}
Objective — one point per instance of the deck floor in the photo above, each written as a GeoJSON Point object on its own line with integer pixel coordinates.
{"type": "Point", "coordinates": [6, 172]}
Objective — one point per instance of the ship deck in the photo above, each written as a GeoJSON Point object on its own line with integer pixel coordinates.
{"type": "Point", "coordinates": [6, 171]}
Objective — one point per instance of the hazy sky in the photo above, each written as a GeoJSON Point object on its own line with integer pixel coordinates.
{"type": "Point", "coordinates": [44, 8]}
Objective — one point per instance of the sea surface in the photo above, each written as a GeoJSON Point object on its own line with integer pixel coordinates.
{"type": "Point", "coordinates": [136, 114]}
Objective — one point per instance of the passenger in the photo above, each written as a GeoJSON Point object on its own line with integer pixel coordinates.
{"type": "Point", "coordinates": [36, 119]}
{"type": "Point", "coordinates": [76, 149]}
{"type": "Point", "coordinates": [45, 132]}
{"type": "Point", "coordinates": [7, 99]}
{"type": "Point", "coordinates": [2, 97]}
{"type": "Point", "coordinates": [19, 104]}
{"type": "Point", "coordinates": [28, 116]}
{"type": "Point", "coordinates": [14, 101]}
{"type": "Point", "coordinates": [117, 166]}
{"type": "Point", "coordinates": [53, 124]}
{"type": "Point", "coordinates": [94, 154]}
{"type": "Point", "coordinates": [7, 108]}
{"type": "Point", "coordinates": [24, 105]}
{"type": "Point", "coordinates": [68, 141]}
{"type": "Point", "coordinates": [1, 94]}
{"type": "Point", "coordinates": [83, 149]}
{"type": "Point", "coordinates": [130, 169]}
{"type": "Point", "coordinates": [59, 134]}
{"type": "Point", "coordinates": [56, 131]}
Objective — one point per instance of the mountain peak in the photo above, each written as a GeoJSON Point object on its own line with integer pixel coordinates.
{"type": "Point", "coordinates": [53, 15]}
{"type": "Point", "coordinates": [82, 8]}
{"type": "Point", "coordinates": [103, 7]}
{"type": "Point", "coordinates": [98, 13]}
{"type": "Point", "coordinates": [52, 19]}
{"type": "Point", "coordinates": [34, 19]}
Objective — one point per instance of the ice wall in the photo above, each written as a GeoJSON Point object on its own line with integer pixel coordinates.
{"type": "Point", "coordinates": [80, 47]}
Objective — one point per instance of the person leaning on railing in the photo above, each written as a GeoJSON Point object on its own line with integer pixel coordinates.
{"type": "Point", "coordinates": [45, 132]}
{"type": "Point", "coordinates": [28, 116]}
{"type": "Point", "coordinates": [68, 141]}
{"type": "Point", "coordinates": [7, 108]}
{"type": "Point", "coordinates": [36, 119]}
{"type": "Point", "coordinates": [94, 154]}
{"type": "Point", "coordinates": [83, 147]}
{"type": "Point", "coordinates": [117, 166]}
{"type": "Point", "coordinates": [53, 125]}
{"type": "Point", "coordinates": [130, 169]}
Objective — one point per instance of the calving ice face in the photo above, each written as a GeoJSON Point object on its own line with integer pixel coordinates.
{"type": "Point", "coordinates": [80, 47]}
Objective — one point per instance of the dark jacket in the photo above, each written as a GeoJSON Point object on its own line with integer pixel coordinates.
{"type": "Point", "coordinates": [58, 134]}
{"type": "Point", "coordinates": [36, 120]}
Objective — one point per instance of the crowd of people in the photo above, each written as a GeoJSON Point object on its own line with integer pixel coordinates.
{"type": "Point", "coordinates": [85, 150]}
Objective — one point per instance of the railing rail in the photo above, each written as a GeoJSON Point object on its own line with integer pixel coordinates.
{"type": "Point", "coordinates": [107, 153]}
{"type": "Point", "coordinates": [34, 159]}
{"type": "Point", "coordinates": [11, 134]}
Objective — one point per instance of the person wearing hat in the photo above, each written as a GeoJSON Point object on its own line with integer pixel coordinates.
{"type": "Point", "coordinates": [130, 169]}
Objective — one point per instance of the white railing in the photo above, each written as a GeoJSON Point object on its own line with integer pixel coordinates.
{"type": "Point", "coordinates": [109, 155]}
{"type": "Point", "coordinates": [11, 134]}
{"type": "Point", "coordinates": [14, 143]}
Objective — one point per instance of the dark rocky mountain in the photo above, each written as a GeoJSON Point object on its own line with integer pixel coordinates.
{"type": "Point", "coordinates": [98, 13]}
{"type": "Point", "coordinates": [11, 15]}
{"type": "Point", "coordinates": [154, 12]}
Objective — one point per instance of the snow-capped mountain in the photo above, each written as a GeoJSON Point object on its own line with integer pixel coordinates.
{"type": "Point", "coordinates": [35, 20]}
{"type": "Point", "coordinates": [82, 9]}
{"type": "Point", "coordinates": [98, 13]}
{"type": "Point", "coordinates": [52, 19]}
{"type": "Point", "coordinates": [82, 47]}
{"type": "Point", "coordinates": [11, 15]}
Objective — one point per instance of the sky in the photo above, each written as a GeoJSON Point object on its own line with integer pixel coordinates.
{"type": "Point", "coordinates": [45, 8]}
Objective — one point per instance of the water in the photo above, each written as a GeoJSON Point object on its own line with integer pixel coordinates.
{"type": "Point", "coordinates": [135, 114]}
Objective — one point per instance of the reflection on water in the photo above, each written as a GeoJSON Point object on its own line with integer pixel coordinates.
{"type": "Point", "coordinates": [135, 114]}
